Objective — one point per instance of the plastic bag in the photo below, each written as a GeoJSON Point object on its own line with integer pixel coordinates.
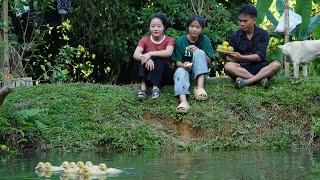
{"type": "Point", "coordinates": [294, 20]}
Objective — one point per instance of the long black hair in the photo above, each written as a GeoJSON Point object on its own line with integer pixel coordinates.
{"type": "Point", "coordinates": [201, 21]}
{"type": "Point", "coordinates": [164, 19]}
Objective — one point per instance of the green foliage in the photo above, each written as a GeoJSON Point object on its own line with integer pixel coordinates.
{"type": "Point", "coordinates": [263, 7]}
{"type": "Point", "coordinates": [110, 31]}
{"type": "Point", "coordinates": [26, 35]}
{"type": "Point", "coordinates": [304, 8]}
{"type": "Point", "coordinates": [14, 135]}
{"type": "Point", "coordinates": [137, 138]}
{"type": "Point", "coordinates": [273, 52]}
{"type": "Point", "coordinates": [314, 67]}
{"type": "Point", "coordinates": [1, 76]}
{"type": "Point", "coordinates": [317, 128]}
{"type": "Point", "coordinates": [316, 32]}
{"type": "Point", "coordinates": [64, 65]}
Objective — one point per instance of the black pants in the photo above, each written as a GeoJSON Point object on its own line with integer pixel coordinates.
{"type": "Point", "coordinates": [255, 67]}
{"type": "Point", "coordinates": [162, 74]}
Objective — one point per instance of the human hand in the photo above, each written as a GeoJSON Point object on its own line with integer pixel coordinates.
{"type": "Point", "coordinates": [149, 65]}
{"type": "Point", "coordinates": [145, 57]}
{"type": "Point", "coordinates": [223, 56]}
{"type": "Point", "coordinates": [192, 48]}
{"type": "Point", "coordinates": [234, 56]}
{"type": "Point", "coordinates": [187, 66]}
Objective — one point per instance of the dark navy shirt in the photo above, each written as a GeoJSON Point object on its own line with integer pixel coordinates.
{"type": "Point", "coordinates": [257, 45]}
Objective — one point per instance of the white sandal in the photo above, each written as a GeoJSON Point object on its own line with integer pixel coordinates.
{"type": "Point", "coordinates": [182, 107]}
{"type": "Point", "coordinates": [200, 94]}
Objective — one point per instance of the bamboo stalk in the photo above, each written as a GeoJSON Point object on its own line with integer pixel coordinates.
{"type": "Point", "coordinates": [286, 36]}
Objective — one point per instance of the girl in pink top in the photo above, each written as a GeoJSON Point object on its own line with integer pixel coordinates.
{"type": "Point", "coordinates": [154, 53]}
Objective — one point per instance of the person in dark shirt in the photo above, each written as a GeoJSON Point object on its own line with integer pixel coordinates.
{"type": "Point", "coordinates": [248, 64]}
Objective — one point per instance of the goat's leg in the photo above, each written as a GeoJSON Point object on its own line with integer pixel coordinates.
{"type": "Point", "coordinates": [296, 70]}
{"type": "Point", "coordinates": [305, 69]}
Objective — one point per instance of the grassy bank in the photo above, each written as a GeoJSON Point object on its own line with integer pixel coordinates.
{"type": "Point", "coordinates": [84, 117]}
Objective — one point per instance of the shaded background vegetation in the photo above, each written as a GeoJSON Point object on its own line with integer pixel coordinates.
{"type": "Point", "coordinates": [96, 41]}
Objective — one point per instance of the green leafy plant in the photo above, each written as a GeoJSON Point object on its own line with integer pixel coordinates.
{"type": "Point", "coordinates": [24, 41]}
{"type": "Point", "coordinates": [317, 128]}
{"type": "Point", "coordinates": [63, 67]}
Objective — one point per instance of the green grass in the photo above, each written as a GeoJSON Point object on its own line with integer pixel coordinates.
{"type": "Point", "coordinates": [95, 117]}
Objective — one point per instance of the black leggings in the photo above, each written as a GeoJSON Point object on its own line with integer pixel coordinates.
{"type": "Point", "coordinates": [162, 74]}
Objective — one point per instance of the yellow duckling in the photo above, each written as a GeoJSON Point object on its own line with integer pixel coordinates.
{"type": "Point", "coordinates": [89, 171]}
{"type": "Point", "coordinates": [74, 166]}
{"type": "Point", "coordinates": [80, 165]}
{"type": "Point", "coordinates": [65, 163]}
{"type": "Point", "coordinates": [67, 168]}
{"type": "Point", "coordinates": [40, 166]}
{"type": "Point", "coordinates": [103, 168]}
{"type": "Point", "coordinates": [91, 166]}
{"type": "Point", "coordinates": [51, 168]}
{"type": "Point", "coordinates": [40, 170]}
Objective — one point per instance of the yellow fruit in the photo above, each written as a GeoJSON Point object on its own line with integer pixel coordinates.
{"type": "Point", "coordinates": [219, 47]}
{"type": "Point", "coordinates": [225, 48]}
{"type": "Point", "coordinates": [226, 43]}
{"type": "Point", "coordinates": [230, 49]}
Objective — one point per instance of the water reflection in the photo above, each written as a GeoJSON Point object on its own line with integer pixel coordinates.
{"type": "Point", "coordinates": [298, 164]}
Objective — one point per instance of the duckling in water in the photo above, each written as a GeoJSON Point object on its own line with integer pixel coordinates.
{"type": "Point", "coordinates": [80, 165]}
{"type": "Point", "coordinates": [91, 166]}
{"type": "Point", "coordinates": [103, 168]}
{"type": "Point", "coordinates": [65, 163]}
{"type": "Point", "coordinates": [89, 171]}
{"type": "Point", "coordinates": [40, 166]}
{"type": "Point", "coordinates": [67, 168]}
{"type": "Point", "coordinates": [73, 166]}
{"type": "Point", "coordinates": [51, 168]}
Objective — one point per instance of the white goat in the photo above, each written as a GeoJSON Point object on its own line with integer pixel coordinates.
{"type": "Point", "coordinates": [301, 52]}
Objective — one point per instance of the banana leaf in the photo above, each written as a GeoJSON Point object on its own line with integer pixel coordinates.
{"type": "Point", "coordinates": [280, 6]}
{"type": "Point", "coordinates": [314, 22]}
{"type": "Point", "coordinates": [304, 8]}
{"type": "Point", "coordinates": [272, 19]}
{"type": "Point", "coordinates": [262, 7]}
{"type": "Point", "coordinates": [316, 32]}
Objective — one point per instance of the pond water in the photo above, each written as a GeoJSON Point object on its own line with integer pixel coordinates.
{"type": "Point", "coordinates": [245, 164]}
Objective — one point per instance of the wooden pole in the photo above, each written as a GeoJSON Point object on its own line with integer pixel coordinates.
{"type": "Point", "coordinates": [286, 36]}
{"type": "Point", "coordinates": [1, 42]}
{"type": "Point", "coordinates": [6, 66]}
